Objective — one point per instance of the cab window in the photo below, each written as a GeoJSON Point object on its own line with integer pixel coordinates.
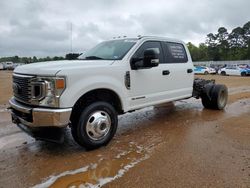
{"type": "Point", "coordinates": [155, 45]}
{"type": "Point", "coordinates": [175, 52]}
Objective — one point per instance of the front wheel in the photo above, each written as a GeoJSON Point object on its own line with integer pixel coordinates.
{"type": "Point", "coordinates": [96, 126]}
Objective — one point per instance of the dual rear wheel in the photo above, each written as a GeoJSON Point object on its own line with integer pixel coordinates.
{"type": "Point", "coordinates": [215, 97]}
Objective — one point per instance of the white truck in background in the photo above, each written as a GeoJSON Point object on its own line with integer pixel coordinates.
{"type": "Point", "coordinates": [115, 77]}
{"type": "Point", "coordinates": [1, 66]}
{"type": "Point", "coordinates": [8, 65]}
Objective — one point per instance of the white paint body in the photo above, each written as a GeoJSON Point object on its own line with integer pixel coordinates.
{"type": "Point", "coordinates": [149, 85]}
{"type": "Point", "coordinates": [8, 65]}
{"type": "Point", "coordinates": [233, 70]}
{"type": "Point", "coordinates": [204, 70]}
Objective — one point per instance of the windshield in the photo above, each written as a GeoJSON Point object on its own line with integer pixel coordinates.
{"type": "Point", "coordinates": [110, 50]}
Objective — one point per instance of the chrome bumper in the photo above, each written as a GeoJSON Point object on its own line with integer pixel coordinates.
{"type": "Point", "coordinates": [39, 117]}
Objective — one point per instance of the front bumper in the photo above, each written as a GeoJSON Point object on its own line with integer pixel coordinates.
{"type": "Point", "coordinates": [39, 117]}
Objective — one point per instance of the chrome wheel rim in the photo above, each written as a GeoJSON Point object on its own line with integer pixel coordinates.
{"type": "Point", "coordinates": [98, 125]}
{"type": "Point", "coordinates": [223, 98]}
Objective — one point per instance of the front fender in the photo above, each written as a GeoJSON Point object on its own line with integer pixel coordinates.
{"type": "Point", "coordinates": [78, 88]}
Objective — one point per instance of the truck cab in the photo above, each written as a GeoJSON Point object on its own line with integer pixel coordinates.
{"type": "Point", "coordinates": [164, 80]}
{"type": "Point", "coordinates": [113, 78]}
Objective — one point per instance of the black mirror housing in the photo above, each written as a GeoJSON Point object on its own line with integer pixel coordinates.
{"type": "Point", "coordinates": [136, 63]}
{"type": "Point", "coordinates": [151, 58]}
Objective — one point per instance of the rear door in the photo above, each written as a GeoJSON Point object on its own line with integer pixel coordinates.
{"type": "Point", "coordinates": [179, 63]}
{"type": "Point", "coordinates": [233, 70]}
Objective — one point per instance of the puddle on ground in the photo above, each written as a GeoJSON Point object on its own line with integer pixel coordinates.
{"type": "Point", "coordinates": [102, 171]}
{"type": "Point", "coordinates": [238, 108]}
{"type": "Point", "coordinates": [237, 129]}
{"type": "Point", "coordinates": [106, 170]}
{"type": "Point", "coordinates": [166, 123]}
{"type": "Point", "coordinates": [14, 140]}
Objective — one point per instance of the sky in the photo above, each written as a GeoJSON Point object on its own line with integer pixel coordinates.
{"type": "Point", "coordinates": [43, 27]}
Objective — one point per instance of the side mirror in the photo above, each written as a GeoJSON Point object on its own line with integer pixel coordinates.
{"type": "Point", "coordinates": [151, 58]}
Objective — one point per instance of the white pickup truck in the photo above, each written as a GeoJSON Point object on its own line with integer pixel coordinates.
{"type": "Point", "coordinates": [115, 77]}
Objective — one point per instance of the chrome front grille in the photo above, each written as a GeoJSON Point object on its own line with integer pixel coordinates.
{"type": "Point", "coordinates": [22, 87]}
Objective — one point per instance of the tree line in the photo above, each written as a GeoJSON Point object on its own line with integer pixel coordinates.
{"type": "Point", "coordinates": [27, 60]}
{"type": "Point", "coordinates": [34, 59]}
{"type": "Point", "coordinates": [223, 45]}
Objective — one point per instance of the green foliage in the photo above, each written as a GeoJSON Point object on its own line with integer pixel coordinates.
{"type": "Point", "coordinates": [224, 45]}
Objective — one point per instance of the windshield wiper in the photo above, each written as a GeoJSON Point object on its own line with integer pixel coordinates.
{"type": "Point", "coordinates": [93, 57]}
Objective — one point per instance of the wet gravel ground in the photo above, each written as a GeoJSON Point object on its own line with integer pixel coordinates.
{"type": "Point", "coordinates": [173, 145]}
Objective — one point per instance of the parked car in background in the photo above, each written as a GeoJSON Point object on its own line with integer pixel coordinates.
{"type": "Point", "coordinates": [204, 70]}
{"type": "Point", "coordinates": [235, 70]}
{"type": "Point", "coordinates": [1, 66]}
{"type": "Point", "coordinates": [217, 67]}
{"type": "Point", "coordinates": [8, 65]}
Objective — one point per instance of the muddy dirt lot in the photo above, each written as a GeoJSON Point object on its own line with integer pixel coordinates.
{"type": "Point", "coordinates": [176, 145]}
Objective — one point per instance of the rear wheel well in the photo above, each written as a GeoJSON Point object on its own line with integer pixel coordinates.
{"type": "Point", "coordinates": [92, 96]}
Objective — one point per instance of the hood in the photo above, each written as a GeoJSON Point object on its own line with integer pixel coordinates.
{"type": "Point", "coordinates": [53, 67]}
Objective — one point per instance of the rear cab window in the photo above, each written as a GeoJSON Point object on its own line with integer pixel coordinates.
{"type": "Point", "coordinates": [174, 52]}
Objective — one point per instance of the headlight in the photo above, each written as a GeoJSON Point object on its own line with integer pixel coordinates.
{"type": "Point", "coordinates": [46, 91]}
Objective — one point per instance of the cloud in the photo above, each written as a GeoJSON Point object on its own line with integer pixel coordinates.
{"type": "Point", "coordinates": [42, 27]}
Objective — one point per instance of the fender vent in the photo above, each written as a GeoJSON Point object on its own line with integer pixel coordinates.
{"type": "Point", "coordinates": [127, 80]}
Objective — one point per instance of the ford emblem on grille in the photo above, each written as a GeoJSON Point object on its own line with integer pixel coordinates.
{"type": "Point", "coordinates": [16, 88]}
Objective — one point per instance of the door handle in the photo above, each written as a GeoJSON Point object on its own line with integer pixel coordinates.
{"type": "Point", "coordinates": [165, 72]}
{"type": "Point", "coordinates": [189, 70]}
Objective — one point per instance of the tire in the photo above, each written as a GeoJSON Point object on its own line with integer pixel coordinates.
{"type": "Point", "coordinates": [218, 98]}
{"type": "Point", "coordinates": [206, 102]}
{"type": "Point", "coordinates": [206, 72]}
{"type": "Point", "coordinates": [96, 126]}
{"type": "Point", "coordinates": [243, 74]}
{"type": "Point", "coordinates": [223, 73]}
